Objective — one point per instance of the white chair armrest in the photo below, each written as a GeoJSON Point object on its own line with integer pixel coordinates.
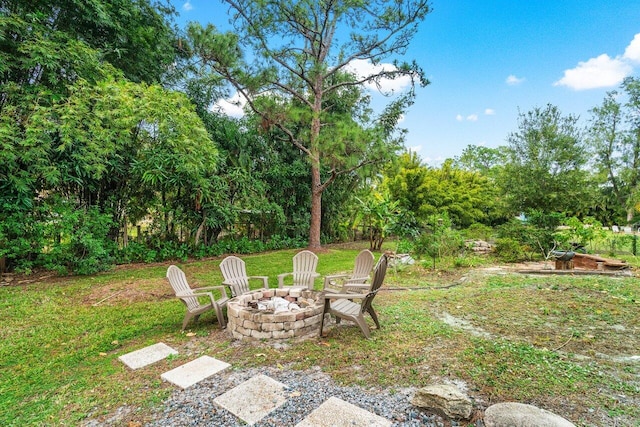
{"type": "Point", "coordinates": [198, 292]}
{"type": "Point", "coordinates": [281, 278]}
{"type": "Point", "coordinates": [328, 279]}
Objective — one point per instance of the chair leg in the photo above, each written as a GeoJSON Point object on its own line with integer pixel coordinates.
{"type": "Point", "coordinates": [220, 315]}
{"type": "Point", "coordinates": [363, 326]}
{"type": "Point", "coordinates": [374, 316]}
{"type": "Point", "coordinates": [187, 317]}
{"type": "Point", "coordinates": [325, 310]}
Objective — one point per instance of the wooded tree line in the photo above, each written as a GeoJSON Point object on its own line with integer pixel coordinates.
{"type": "Point", "coordinates": [107, 129]}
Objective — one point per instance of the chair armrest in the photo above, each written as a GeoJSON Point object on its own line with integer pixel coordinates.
{"type": "Point", "coordinates": [208, 288]}
{"type": "Point", "coordinates": [355, 287]}
{"type": "Point", "coordinates": [203, 294]}
{"type": "Point", "coordinates": [358, 285]}
{"type": "Point", "coordinates": [358, 280]}
{"type": "Point", "coordinates": [329, 278]}
{"type": "Point", "coordinates": [231, 287]}
{"type": "Point", "coordinates": [329, 295]}
{"type": "Point", "coordinates": [281, 278]}
{"type": "Point", "coordinates": [197, 292]}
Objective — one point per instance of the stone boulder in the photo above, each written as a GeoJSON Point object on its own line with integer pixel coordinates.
{"type": "Point", "coordinates": [444, 399]}
{"type": "Point", "coordinates": [512, 414]}
{"type": "Point", "coordinates": [479, 247]}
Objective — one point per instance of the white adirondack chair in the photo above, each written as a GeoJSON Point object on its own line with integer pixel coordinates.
{"type": "Point", "coordinates": [191, 297]}
{"type": "Point", "coordinates": [361, 271]}
{"type": "Point", "coordinates": [304, 270]}
{"type": "Point", "coordinates": [235, 276]}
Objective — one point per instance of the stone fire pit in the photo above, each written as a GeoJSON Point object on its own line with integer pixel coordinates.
{"type": "Point", "coordinates": [255, 316]}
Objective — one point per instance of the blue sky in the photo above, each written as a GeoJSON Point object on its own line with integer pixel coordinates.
{"type": "Point", "coordinates": [487, 61]}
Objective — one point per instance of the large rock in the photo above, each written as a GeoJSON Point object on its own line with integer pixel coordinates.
{"type": "Point", "coordinates": [512, 414]}
{"type": "Point", "coordinates": [444, 399]}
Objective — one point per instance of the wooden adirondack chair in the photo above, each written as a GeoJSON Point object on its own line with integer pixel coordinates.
{"type": "Point", "coordinates": [304, 270]}
{"type": "Point", "coordinates": [361, 271]}
{"type": "Point", "coordinates": [235, 276]}
{"type": "Point", "coordinates": [342, 305]}
{"type": "Point", "coordinates": [191, 297]}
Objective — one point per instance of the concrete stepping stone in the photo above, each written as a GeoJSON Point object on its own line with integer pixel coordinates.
{"type": "Point", "coordinates": [147, 355]}
{"type": "Point", "coordinates": [195, 371]}
{"type": "Point", "coordinates": [336, 412]}
{"type": "Point", "coordinates": [252, 400]}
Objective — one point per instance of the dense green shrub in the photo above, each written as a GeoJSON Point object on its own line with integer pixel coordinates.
{"type": "Point", "coordinates": [478, 231]}
{"type": "Point", "coordinates": [509, 250]}
{"type": "Point", "coordinates": [78, 240]}
{"type": "Point", "coordinates": [439, 239]}
{"type": "Point", "coordinates": [405, 246]}
{"type": "Point", "coordinates": [158, 251]}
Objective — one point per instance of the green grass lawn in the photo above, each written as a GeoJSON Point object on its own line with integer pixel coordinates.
{"type": "Point", "coordinates": [559, 342]}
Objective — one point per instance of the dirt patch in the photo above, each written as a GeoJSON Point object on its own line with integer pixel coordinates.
{"type": "Point", "coordinates": [126, 293]}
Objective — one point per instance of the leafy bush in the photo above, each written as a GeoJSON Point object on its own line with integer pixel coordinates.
{"type": "Point", "coordinates": [405, 246]}
{"type": "Point", "coordinates": [580, 233]}
{"type": "Point", "coordinates": [79, 241]}
{"type": "Point", "coordinates": [21, 236]}
{"type": "Point", "coordinates": [440, 240]}
{"type": "Point", "coordinates": [479, 231]}
{"type": "Point", "coordinates": [509, 250]}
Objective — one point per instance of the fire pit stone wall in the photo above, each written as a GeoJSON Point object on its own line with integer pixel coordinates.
{"type": "Point", "coordinates": [247, 323]}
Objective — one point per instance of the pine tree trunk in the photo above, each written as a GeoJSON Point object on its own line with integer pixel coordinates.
{"type": "Point", "coordinates": [316, 208]}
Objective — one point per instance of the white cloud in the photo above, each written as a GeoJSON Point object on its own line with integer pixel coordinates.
{"type": "Point", "coordinates": [632, 52]}
{"type": "Point", "coordinates": [513, 80]}
{"type": "Point", "coordinates": [490, 112]}
{"type": "Point", "coordinates": [187, 6]}
{"type": "Point", "coordinates": [232, 107]}
{"type": "Point", "coordinates": [415, 148]}
{"type": "Point", "coordinates": [602, 71]}
{"type": "Point", "coordinates": [469, 118]}
{"type": "Point", "coordinates": [364, 68]}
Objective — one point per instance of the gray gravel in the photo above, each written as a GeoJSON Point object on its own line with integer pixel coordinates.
{"type": "Point", "coordinates": [308, 390]}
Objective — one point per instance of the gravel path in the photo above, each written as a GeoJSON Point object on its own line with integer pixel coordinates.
{"type": "Point", "coordinates": [306, 390]}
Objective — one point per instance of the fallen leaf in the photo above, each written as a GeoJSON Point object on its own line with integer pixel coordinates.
{"type": "Point", "coordinates": [191, 334]}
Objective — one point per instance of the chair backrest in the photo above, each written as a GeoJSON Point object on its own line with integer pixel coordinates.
{"type": "Point", "coordinates": [234, 271]}
{"type": "Point", "coordinates": [304, 268]}
{"type": "Point", "coordinates": [181, 287]}
{"type": "Point", "coordinates": [378, 278]}
{"type": "Point", "coordinates": [363, 266]}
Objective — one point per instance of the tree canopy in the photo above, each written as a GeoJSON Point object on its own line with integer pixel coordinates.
{"type": "Point", "coordinates": [614, 136]}
{"type": "Point", "coordinates": [108, 131]}
{"type": "Point", "coordinates": [299, 53]}
{"type": "Point", "coordinates": [546, 163]}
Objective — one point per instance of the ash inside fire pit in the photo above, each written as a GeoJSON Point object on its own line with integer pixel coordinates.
{"type": "Point", "coordinates": [275, 314]}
